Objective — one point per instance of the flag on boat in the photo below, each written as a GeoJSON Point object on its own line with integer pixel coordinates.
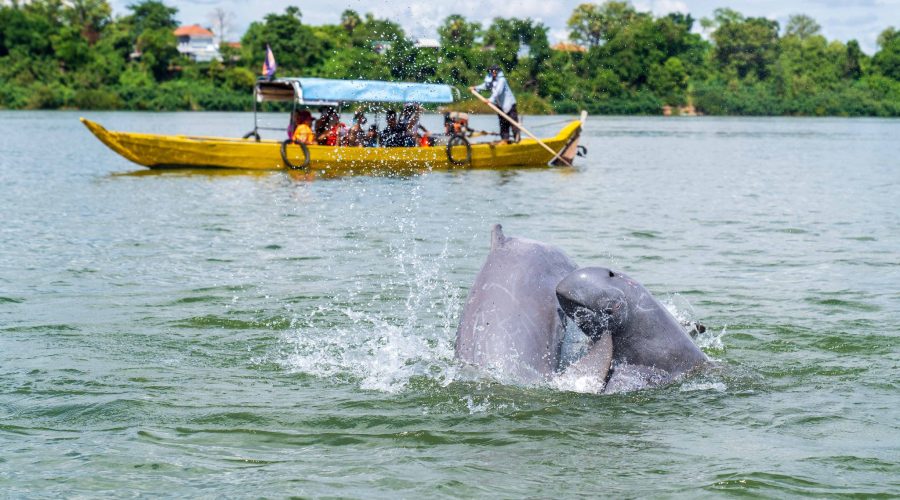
{"type": "Point", "coordinates": [269, 66]}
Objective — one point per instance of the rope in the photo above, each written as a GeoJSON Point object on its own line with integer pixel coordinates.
{"type": "Point", "coordinates": [551, 123]}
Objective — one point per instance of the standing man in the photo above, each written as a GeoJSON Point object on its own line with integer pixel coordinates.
{"type": "Point", "coordinates": [503, 98]}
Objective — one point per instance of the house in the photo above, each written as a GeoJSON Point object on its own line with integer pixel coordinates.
{"type": "Point", "coordinates": [197, 43]}
{"type": "Point", "coordinates": [568, 47]}
{"type": "Point", "coordinates": [426, 43]}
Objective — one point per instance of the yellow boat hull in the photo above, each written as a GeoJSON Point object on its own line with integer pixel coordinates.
{"type": "Point", "coordinates": [168, 151]}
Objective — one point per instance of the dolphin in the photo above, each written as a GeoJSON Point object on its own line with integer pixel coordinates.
{"type": "Point", "coordinates": [649, 346]}
{"type": "Point", "coordinates": [511, 323]}
{"type": "Point", "coordinates": [514, 321]}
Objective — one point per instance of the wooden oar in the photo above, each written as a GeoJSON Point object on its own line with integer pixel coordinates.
{"type": "Point", "coordinates": [519, 126]}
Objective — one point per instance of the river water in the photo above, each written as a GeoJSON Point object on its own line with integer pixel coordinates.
{"type": "Point", "coordinates": [192, 333]}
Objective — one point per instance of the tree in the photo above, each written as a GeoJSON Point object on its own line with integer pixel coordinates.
{"type": "Point", "coordinates": [534, 35]}
{"type": "Point", "coordinates": [295, 46]}
{"type": "Point", "coordinates": [669, 81]}
{"type": "Point", "coordinates": [222, 23]}
{"type": "Point", "coordinates": [594, 24]}
{"type": "Point", "coordinates": [457, 32]}
{"type": "Point", "coordinates": [887, 60]}
{"type": "Point", "coordinates": [503, 37]}
{"type": "Point", "coordinates": [22, 29]}
{"type": "Point", "coordinates": [70, 47]}
{"type": "Point", "coordinates": [585, 25]}
{"type": "Point", "coordinates": [801, 26]}
{"type": "Point", "coordinates": [158, 49]}
{"type": "Point", "coordinates": [152, 15]}
{"type": "Point", "coordinates": [152, 23]}
{"type": "Point", "coordinates": [350, 20]}
{"type": "Point", "coordinates": [458, 62]}
{"type": "Point", "coordinates": [374, 29]}
{"type": "Point", "coordinates": [89, 17]}
{"type": "Point", "coordinates": [853, 68]}
{"type": "Point", "coordinates": [747, 46]}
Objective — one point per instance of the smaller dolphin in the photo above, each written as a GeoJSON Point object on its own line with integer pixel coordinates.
{"type": "Point", "coordinates": [649, 347]}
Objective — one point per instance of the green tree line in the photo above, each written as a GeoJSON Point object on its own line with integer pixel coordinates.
{"type": "Point", "coordinates": [76, 54]}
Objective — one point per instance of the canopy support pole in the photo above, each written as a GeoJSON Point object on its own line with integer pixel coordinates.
{"type": "Point", "coordinates": [255, 119]}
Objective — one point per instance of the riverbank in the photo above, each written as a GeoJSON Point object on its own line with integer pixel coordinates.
{"type": "Point", "coordinates": [636, 64]}
{"type": "Point", "coordinates": [857, 100]}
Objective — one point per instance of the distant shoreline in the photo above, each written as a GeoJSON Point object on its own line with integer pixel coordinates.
{"type": "Point", "coordinates": [480, 114]}
{"type": "Point", "coordinates": [528, 104]}
{"type": "Point", "coordinates": [617, 60]}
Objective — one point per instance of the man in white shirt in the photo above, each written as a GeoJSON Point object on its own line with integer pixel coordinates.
{"type": "Point", "coordinates": [502, 97]}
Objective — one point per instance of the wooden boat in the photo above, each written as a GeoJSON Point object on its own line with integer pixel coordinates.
{"type": "Point", "coordinates": [252, 153]}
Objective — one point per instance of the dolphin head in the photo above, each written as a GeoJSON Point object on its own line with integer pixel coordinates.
{"type": "Point", "coordinates": [596, 299]}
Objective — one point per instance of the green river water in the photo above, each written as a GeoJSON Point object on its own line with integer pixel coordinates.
{"type": "Point", "coordinates": [205, 334]}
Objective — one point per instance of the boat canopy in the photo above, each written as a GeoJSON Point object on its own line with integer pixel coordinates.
{"type": "Point", "coordinates": [323, 91]}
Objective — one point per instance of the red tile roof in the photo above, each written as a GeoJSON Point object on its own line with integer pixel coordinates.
{"type": "Point", "coordinates": [568, 47]}
{"type": "Point", "coordinates": [193, 30]}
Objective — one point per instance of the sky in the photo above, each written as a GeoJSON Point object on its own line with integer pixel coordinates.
{"type": "Point", "coordinates": [841, 20]}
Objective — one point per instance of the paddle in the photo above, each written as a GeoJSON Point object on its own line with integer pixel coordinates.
{"type": "Point", "coordinates": [519, 126]}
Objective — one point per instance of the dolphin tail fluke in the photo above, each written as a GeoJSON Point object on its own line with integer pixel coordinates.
{"type": "Point", "coordinates": [497, 237]}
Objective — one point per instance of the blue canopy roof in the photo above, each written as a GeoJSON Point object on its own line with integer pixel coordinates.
{"type": "Point", "coordinates": [323, 90]}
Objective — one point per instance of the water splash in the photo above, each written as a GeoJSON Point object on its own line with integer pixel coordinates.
{"type": "Point", "coordinates": [703, 386]}
{"type": "Point", "coordinates": [585, 384]}
{"type": "Point", "coordinates": [712, 341]}
{"type": "Point", "coordinates": [705, 338]}
{"type": "Point", "coordinates": [381, 339]}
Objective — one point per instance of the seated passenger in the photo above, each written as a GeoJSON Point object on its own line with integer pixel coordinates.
{"type": "Point", "coordinates": [394, 134]}
{"type": "Point", "coordinates": [371, 138]}
{"type": "Point", "coordinates": [409, 118]}
{"type": "Point", "coordinates": [303, 133]}
{"type": "Point", "coordinates": [356, 135]}
{"type": "Point", "coordinates": [324, 122]}
{"type": "Point", "coordinates": [332, 129]}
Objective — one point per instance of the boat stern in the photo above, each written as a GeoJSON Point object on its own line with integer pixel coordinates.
{"type": "Point", "coordinates": [571, 135]}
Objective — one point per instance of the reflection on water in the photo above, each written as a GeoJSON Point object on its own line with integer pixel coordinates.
{"type": "Point", "coordinates": [191, 172]}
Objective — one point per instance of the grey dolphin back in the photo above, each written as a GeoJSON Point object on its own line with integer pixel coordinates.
{"type": "Point", "coordinates": [511, 324]}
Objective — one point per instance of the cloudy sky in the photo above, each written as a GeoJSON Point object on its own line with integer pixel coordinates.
{"type": "Point", "coordinates": [840, 19]}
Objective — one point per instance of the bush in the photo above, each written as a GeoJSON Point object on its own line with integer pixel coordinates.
{"type": "Point", "coordinates": [12, 96]}
{"type": "Point", "coordinates": [737, 98]}
{"type": "Point", "coordinates": [47, 96]}
{"type": "Point", "coordinates": [96, 99]}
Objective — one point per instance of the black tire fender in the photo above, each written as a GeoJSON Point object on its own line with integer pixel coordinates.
{"type": "Point", "coordinates": [459, 140]}
{"type": "Point", "coordinates": [287, 162]}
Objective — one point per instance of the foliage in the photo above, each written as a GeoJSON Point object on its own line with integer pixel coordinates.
{"type": "Point", "coordinates": [744, 46]}
{"type": "Point", "coordinates": [74, 53]}
{"type": "Point", "coordinates": [295, 44]}
{"type": "Point", "coordinates": [801, 26]}
{"type": "Point", "coordinates": [593, 24]}
{"type": "Point", "coordinates": [887, 61]}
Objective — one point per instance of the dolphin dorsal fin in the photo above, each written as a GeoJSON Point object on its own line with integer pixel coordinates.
{"type": "Point", "coordinates": [497, 237]}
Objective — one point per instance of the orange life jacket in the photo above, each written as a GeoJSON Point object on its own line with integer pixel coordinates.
{"type": "Point", "coordinates": [304, 134]}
